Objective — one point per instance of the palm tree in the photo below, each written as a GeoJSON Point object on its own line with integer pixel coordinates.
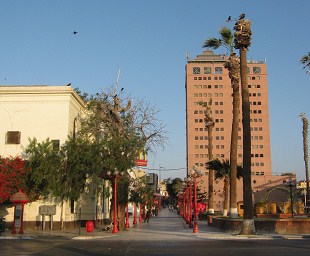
{"type": "Point", "coordinates": [306, 154]}
{"type": "Point", "coordinates": [305, 60]}
{"type": "Point", "coordinates": [233, 66]}
{"type": "Point", "coordinates": [222, 170]}
{"type": "Point", "coordinates": [209, 125]}
{"type": "Point", "coordinates": [242, 40]}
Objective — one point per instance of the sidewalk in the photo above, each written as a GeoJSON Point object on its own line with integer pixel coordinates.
{"type": "Point", "coordinates": [167, 225]}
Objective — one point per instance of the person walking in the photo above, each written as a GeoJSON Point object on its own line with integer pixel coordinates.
{"type": "Point", "coordinates": [147, 216]}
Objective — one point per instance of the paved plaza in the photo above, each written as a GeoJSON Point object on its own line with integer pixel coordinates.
{"type": "Point", "coordinates": [167, 225]}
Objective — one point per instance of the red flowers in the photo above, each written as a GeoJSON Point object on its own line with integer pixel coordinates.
{"type": "Point", "coordinates": [13, 174]}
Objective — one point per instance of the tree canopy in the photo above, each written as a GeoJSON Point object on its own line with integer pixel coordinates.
{"type": "Point", "coordinates": [113, 131]}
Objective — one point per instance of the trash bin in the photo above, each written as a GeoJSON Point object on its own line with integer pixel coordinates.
{"type": "Point", "coordinates": [89, 226]}
{"type": "Point", "coordinates": [2, 225]}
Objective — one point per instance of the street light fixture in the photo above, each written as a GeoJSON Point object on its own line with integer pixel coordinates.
{"type": "Point", "coordinates": [195, 174]}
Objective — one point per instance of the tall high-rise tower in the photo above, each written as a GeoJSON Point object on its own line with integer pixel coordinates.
{"type": "Point", "coordinates": [207, 81]}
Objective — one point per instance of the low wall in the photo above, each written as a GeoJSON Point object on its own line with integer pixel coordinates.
{"type": "Point", "coordinates": [264, 226]}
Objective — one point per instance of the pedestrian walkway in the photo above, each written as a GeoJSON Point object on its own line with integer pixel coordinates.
{"type": "Point", "coordinates": [166, 226]}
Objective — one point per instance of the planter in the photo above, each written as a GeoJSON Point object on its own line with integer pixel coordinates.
{"type": "Point", "coordinates": [286, 207]}
{"type": "Point", "coordinates": [266, 215]}
{"type": "Point", "coordinates": [259, 209]}
{"type": "Point", "coordinates": [283, 215]}
{"type": "Point", "coordinates": [272, 207]}
{"type": "Point", "coordinates": [299, 207]}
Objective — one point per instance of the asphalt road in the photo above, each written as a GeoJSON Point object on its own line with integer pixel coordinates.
{"type": "Point", "coordinates": [166, 234]}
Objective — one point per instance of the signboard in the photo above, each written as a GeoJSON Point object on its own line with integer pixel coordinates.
{"type": "Point", "coordinates": [141, 162]}
{"type": "Point", "coordinates": [47, 210]}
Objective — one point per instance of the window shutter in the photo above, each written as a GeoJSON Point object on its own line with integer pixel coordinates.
{"type": "Point", "coordinates": [13, 137]}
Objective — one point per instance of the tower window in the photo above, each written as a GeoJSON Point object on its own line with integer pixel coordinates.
{"type": "Point", "coordinates": [218, 70]}
{"type": "Point", "coordinates": [256, 70]}
{"type": "Point", "coordinates": [196, 70]}
{"type": "Point", "coordinates": [207, 70]}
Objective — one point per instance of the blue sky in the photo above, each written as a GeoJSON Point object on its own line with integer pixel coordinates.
{"type": "Point", "coordinates": [148, 41]}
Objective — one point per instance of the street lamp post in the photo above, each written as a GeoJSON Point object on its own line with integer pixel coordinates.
{"type": "Point", "coordinates": [184, 204]}
{"type": "Point", "coordinates": [187, 218]}
{"type": "Point", "coordinates": [115, 175]}
{"type": "Point", "coordinates": [190, 202]}
{"type": "Point", "coordinates": [134, 214]}
{"type": "Point", "coordinates": [195, 174]}
{"type": "Point", "coordinates": [291, 185]}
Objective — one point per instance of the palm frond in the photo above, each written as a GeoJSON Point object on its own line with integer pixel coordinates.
{"type": "Point", "coordinates": [305, 60]}
{"type": "Point", "coordinates": [226, 35]}
{"type": "Point", "coordinates": [213, 43]}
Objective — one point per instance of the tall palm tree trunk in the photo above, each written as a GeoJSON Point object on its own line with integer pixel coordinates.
{"type": "Point", "coordinates": [209, 124]}
{"type": "Point", "coordinates": [233, 65]}
{"type": "Point", "coordinates": [242, 42]}
{"type": "Point", "coordinates": [211, 175]}
{"type": "Point", "coordinates": [226, 195]}
{"type": "Point", "coordinates": [247, 187]}
{"type": "Point", "coordinates": [306, 155]}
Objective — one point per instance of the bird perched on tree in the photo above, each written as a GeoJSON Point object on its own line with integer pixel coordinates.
{"type": "Point", "coordinates": [242, 16]}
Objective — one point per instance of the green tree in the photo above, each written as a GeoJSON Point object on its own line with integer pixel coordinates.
{"type": "Point", "coordinates": [174, 186]}
{"type": "Point", "coordinates": [242, 41]}
{"type": "Point", "coordinates": [222, 170]}
{"type": "Point", "coordinates": [113, 132]}
{"type": "Point", "coordinates": [233, 66]}
{"type": "Point", "coordinates": [305, 60]}
{"type": "Point", "coordinates": [63, 173]}
{"type": "Point", "coordinates": [122, 130]}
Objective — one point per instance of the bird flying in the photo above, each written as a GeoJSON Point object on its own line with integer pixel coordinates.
{"type": "Point", "coordinates": [75, 32]}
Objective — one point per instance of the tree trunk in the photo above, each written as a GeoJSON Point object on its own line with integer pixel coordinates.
{"type": "Point", "coordinates": [61, 214]}
{"type": "Point", "coordinates": [306, 157]}
{"type": "Point", "coordinates": [211, 174]}
{"type": "Point", "coordinates": [234, 76]}
{"type": "Point", "coordinates": [247, 183]}
{"type": "Point", "coordinates": [121, 217]}
{"type": "Point", "coordinates": [226, 195]}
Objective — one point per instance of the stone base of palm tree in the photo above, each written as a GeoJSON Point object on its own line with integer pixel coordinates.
{"type": "Point", "coordinates": [248, 227]}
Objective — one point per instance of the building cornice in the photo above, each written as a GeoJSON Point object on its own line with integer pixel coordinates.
{"type": "Point", "coordinates": [42, 90]}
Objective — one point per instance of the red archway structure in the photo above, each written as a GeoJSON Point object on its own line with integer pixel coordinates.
{"type": "Point", "coordinates": [19, 199]}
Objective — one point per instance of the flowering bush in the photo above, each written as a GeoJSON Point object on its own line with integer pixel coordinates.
{"type": "Point", "coordinates": [13, 174]}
